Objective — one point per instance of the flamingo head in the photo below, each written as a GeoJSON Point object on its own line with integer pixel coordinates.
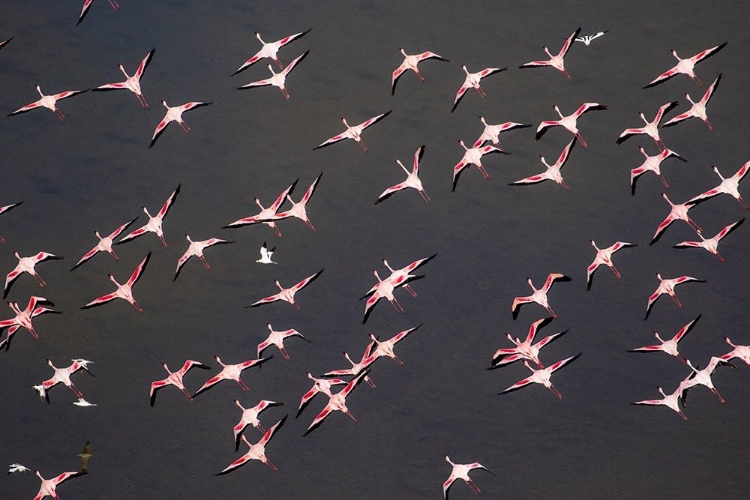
{"type": "Point", "coordinates": [49, 362]}
{"type": "Point", "coordinates": [218, 360]}
{"type": "Point", "coordinates": [593, 244]}
{"type": "Point", "coordinates": [36, 471]}
{"type": "Point", "coordinates": [309, 375]}
{"type": "Point", "coordinates": [270, 328]}
{"type": "Point", "coordinates": [400, 49]}
{"type": "Point", "coordinates": [145, 210]}
{"type": "Point", "coordinates": [674, 53]}
{"type": "Point", "coordinates": [658, 276]}
{"type": "Point", "coordinates": [344, 120]}
{"type": "Point", "coordinates": [346, 355]}
{"type": "Point", "coordinates": [463, 66]}
{"type": "Point", "coordinates": [16, 254]}
{"type": "Point", "coordinates": [656, 334]}
{"type": "Point", "coordinates": [112, 279]}
{"type": "Point", "coordinates": [528, 280]}
{"type": "Point", "coordinates": [717, 172]}
{"type": "Point", "coordinates": [278, 284]}
{"type": "Point", "coordinates": [481, 118]}
{"type": "Point", "coordinates": [237, 402]}
{"type": "Point", "coordinates": [257, 35]}
{"type": "Point", "coordinates": [39, 89]}
{"type": "Point", "coordinates": [97, 234]}
{"type": "Point", "coordinates": [122, 69]}
{"type": "Point", "coordinates": [187, 237]}
{"type": "Point", "coordinates": [664, 195]}
{"type": "Point", "coordinates": [662, 391]}
{"type": "Point", "coordinates": [726, 339]}
{"type": "Point", "coordinates": [687, 96]}
{"type": "Point", "coordinates": [447, 459]}
{"type": "Point", "coordinates": [547, 51]}
{"type": "Point", "coordinates": [269, 68]}
{"type": "Point", "coordinates": [257, 202]}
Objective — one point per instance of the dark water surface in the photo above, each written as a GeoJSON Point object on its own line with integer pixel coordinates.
{"type": "Point", "coordinates": [94, 171]}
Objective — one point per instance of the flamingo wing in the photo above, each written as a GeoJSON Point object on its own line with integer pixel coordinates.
{"type": "Point", "coordinates": [731, 227]}
{"type": "Point", "coordinates": [391, 190]}
{"type": "Point", "coordinates": [534, 179]}
{"type": "Point", "coordinates": [460, 95]}
{"type": "Point", "coordinates": [26, 108]}
{"type": "Point", "coordinates": [266, 300]}
{"type": "Point", "coordinates": [569, 42]}
{"type": "Point", "coordinates": [144, 64]}
{"type": "Point", "coordinates": [396, 75]}
{"type": "Point", "coordinates": [259, 83]}
{"type": "Point", "coordinates": [87, 256]}
{"type": "Point", "coordinates": [302, 284]}
{"type": "Point", "coordinates": [101, 300]}
{"type": "Point", "coordinates": [270, 432]}
{"type": "Point", "coordinates": [311, 190]}
{"type": "Point", "coordinates": [374, 120]}
{"type": "Point", "coordinates": [170, 201]}
{"type": "Point", "coordinates": [280, 199]}
{"type": "Point", "coordinates": [138, 271]}
{"type": "Point", "coordinates": [84, 10]}
{"type": "Point", "coordinates": [319, 419]}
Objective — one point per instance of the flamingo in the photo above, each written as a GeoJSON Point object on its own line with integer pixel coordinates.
{"type": "Point", "coordinates": [250, 417]}
{"type": "Point", "coordinates": [125, 290]}
{"type": "Point", "coordinates": [175, 379]}
{"type": "Point", "coordinates": [686, 66]}
{"type": "Point", "coordinates": [651, 128]}
{"type": "Point", "coordinates": [356, 368]}
{"type": "Point", "coordinates": [738, 351]}
{"type": "Point", "coordinates": [48, 101]}
{"type": "Point", "coordinates": [539, 296]}
{"type": "Point", "coordinates": [569, 122]}
{"type": "Point", "coordinates": [265, 255]}
{"type": "Point", "coordinates": [412, 179]}
{"type": "Point", "coordinates": [353, 132]}
{"type": "Point", "coordinates": [385, 348]}
{"type": "Point", "coordinates": [7, 208]}
{"type": "Point", "coordinates": [35, 307]}
{"type": "Point", "coordinates": [298, 210]}
{"type": "Point", "coordinates": [652, 164]}
{"type": "Point", "coordinates": [154, 224]}
{"type": "Point", "coordinates": [401, 277]}
{"type": "Point", "coordinates": [553, 171]}
{"type": "Point", "coordinates": [27, 265]}
{"type": "Point", "coordinates": [319, 385]}
{"type": "Point", "coordinates": [265, 213]}
{"type": "Point", "coordinates": [196, 249]}
{"type": "Point", "coordinates": [473, 156]}
{"type": "Point", "coordinates": [337, 402]}
{"type": "Point", "coordinates": [131, 83]}
{"type": "Point", "coordinates": [711, 244]}
{"type": "Point", "coordinates": [49, 486]}
{"type": "Point", "coordinates": [587, 39]}
{"type": "Point", "coordinates": [676, 212]}
{"type": "Point", "coordinates": [411, 62]}
{"type": "Point", "coordinates": [492, 132]}
{"type": "Point", "coordinates": [461, 471]}
{"type": "Point", "coordinates": [729, 185]}
{"type": "Point", "coordinates": [105, 244]}
{"type": "Point", "coordinates": [383, 289]}
{"type": "Point", "coordinates": [270, 50]}
{"type": "Point", "coordinates": [604, 256]}
{"type": "Point", "coordinates": [669, 346]}
{"type": "Point", "coordinates": [667, 286]}
{"type": "Point", "coordinates": [671, 401]}
{"type": "Point", "coordinates": [277, 339]}
{"type": "Point", "coordinates": [526, 349]}
{"type": "Point", "coordinates": [703, 377]}
{"type": "Point", "coordinates": [542, 376]}
{"type": "Point", "coordinates": [174, 114]}
{"type": "Point", "coordinates": [62, 376]}
{"type": "Point", "coordinates": [256, 451]}
{"type": "Point", "coordinates": [87, 5]}
{"type": "Point", "coordinates": [472, 81]}
{"type": "Point", "coordinates": [698, 109]}
{"type": "Point", "coordinates": [557, 61]}
{"type": "Point", "coordinates": [286, 294]}
{"type": "Point", "coordinates": [277, 79]}
{"type": "Point", "coordinates": [231, 372]}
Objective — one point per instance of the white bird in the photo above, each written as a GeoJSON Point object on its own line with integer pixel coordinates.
{"type": "Point", "coordinates": [539, 296]}
{"type": "Point", "coordinates": [154, 224]}
{"type": "Point", "coordinates": [686, 66]}
{"type": "Point", "coordinates": [473, 156]}
{"type": "Point", "coordinates": [265, 213]}
{"type": "Point", "coordinates": [277, 338]}
{"type": "Point", "coordinates": [48, 101]}
{"type": "Point", "coordinates": [652, 164]}
{"type": "Point", "coordinates": [472, 81]}
{"type": "Point", "coordinates": [711, 244]}
{"type": "Point", "coordinates": [604, 256]}
{"type": "Point", "coordinates": [651, 128]}
{"type": "Point", "coordinates": [676, 212]}
{"type": "Point", "coordinates": [87, 5]}
{"type": "Point", "coordinates": [131, 83]}
{"type": "Point", "coordinates": [666, 286]}
{"type": "Point", "coordinates": [286, 294]}
{"type": "Point", "coordinates": [277, 79]}
{"type": "Point", "coordinates": [670, 401]}
{"type": "Point", "coordinates": [569, 122]}
{"type": "Point", "coordinates": [125, 290]}
{"type": "Point", "coordinates": [17, 468]}
{"type": "Point", "coordinates": [411, 62]}
{"type": "Point", "coordinates": [195, 249]}
{"type": "Point", "coordinates": [669, 346]}
{"type": "Point", "coordinates": [412, 179]}
{"type": "Point", "coordinates": [250, 417]}
{"type": "Point", "coordinates": [461, 471]}
{"type": "Point", "coordinates": [556, 61]}
{"type": "Point", "coordinates": [175, 379]}
{"type": "Point", "coordinates": [105, 244]}
{"type": "Point", "coordinates": [49, 486]}
{"type": "Point", "coordinates": [353, 132]}
{"type": "Point", "coordinates": [542, 376]}
{"type": "Point", "coordinates": [553, 171]}
{"type": "Point", "coordinates": [174, 114]}
{"type": "Point", "coordinates": [698, 109]}
{"type": "Point", "coordinates": [729, 185]}
{"type": "Point", "coordinates": [587, 39]}
{"type": "Point", "coordinates": [26, 265]}
{"type": "Point", "coordinates": [256, 451]}
{"type": "Point", "coordinates": [492, 132]}
{"type": "Point", "coordinates": [83, 402]}
{"type": "Point", "coordinates": [270, 50]}
{"type": "Point", "coordinates": [265, 255]}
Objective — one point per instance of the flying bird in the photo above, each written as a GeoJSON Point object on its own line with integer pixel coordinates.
{"type": "Point", "coordinates": [49, 486]}
{"type": "Point", "coordinates": [286, 294]}
{"type": "Point", "coordinates": [7, 208]}
{"type": "Point", "coordinates": [676, 212]}
{"type": "Point", "coordinates": [570, 122]}
{"type": "Point", "coordinates": [277, 338]}
{"type": "Point", "coordinates": [231, 372]}
{"type": "Point", "coordinates": [670, 401]}
{"type": "Point", "coordinates": [461, 471]}
{"type": "Point", "coordinates": [525, 349]}
{"type": "Point", "coordinates": [652, 164]}
{"type": "Point", "coordinates": [131, 83]}
{"type": "Point", "coordinates": [154, 224]}
{"type": "Point", "coordinates": [35, 307]}
{"type": "Point", "coordinates": [667, 286]}
{"type": "Point", "coordinates": [105, 244]}
{"type": "Point", "coordinates": [711, 244]}
{"type": "Point", "coordinates": [539, 296]}
{"type": "Point", "coordinates": [669, 346]}
{"type": "Point", "coordinates": [542, 376]}
{"type": "Point", "coordinates": [472, 81]}
{"type": "Point", "coordinates": [604, 257]}
{"type": "Point", "coordinates": [651, 128]}
{"type": "Point", "coordinates": [174, 114]}
{"type": "Point", "coordinates": [556, 61]}
{"type": "Point", "coordinates": [277, 79]}
{"type": "Point", "coordinates": [473, 156]}
{"type": "Point", "coordinates": [265, 213]}
{"type": "Point", "coordinates": [195, 249]}
{"type": "Point", "coordinates": [175, 379]}
{"type": "Point", "coordinates": [492, 132]}
{"type": "Point", "coordinates": [125, 290]}
{"type": "Point", "coordinates": [265, 255]}
{"type": "Point", "coordinates": [298, 209]}
{"type": "Point", "coordinates": [87, 5]}
{"type": "Point", "coordinates": [256, 451]}
{"type": "Point", "coordinates": [686, 66]}
{"type": "Point", "coordinates": [587, 39]}
{"type": "Point", "coordinates": [412, 179]}
{"type": "Point", "coordinates": [553, 171]}
{"type": "Point", "coordinates": [410, 63]}
{"type": "Point", "coordinates": [353, 132]}
{"type": "Point", "coordinates": [337, 402]}
{"type": "Point", "coordinates": [728, 185]}
{"type": "Point", "coordinates": [698, 109]}
{"type": "Point", "coordinates": [270, 50]}
{"type": "Point", "coordinates": [27, 265]}
{"type": "Point", "coordinates": [48, 101]}
{"type": "Point", "coordinates": [250, 417]}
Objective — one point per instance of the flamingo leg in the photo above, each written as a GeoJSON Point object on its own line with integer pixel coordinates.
{"type": "Point", "coordinates": [370, 383]}
{"type": "Point", "coordinates": [721, 400]}
{"type": "Point", "coordinates": [397, 360]}
{"type": "Point", "coordinates": [260, 428]}
{"type": "Point", "coordinates": [697, 80]}
{"type": "Point", "coordinates": [397, 306]}
{"type": "Point", "coordinates": [660, 144]}
{"type": "Point", "coordinates": [33, 332]}
{"type": "Point", "coordinates": [566, 73]}
{"type": "Point", "coordinates": [283, 352]}
{"type": "Point", "coordinates": [480, 91]}
{"type": "Point", "coordinates": [205, 262]}
{"type": "Point", "coordinates": [362, 145]}
{"type": "Point", "coordinates": [59, 114]}
{"type": "Point", "coordinates": [663, 181]}
{"type": "Point", "coordinates": [186, 393]}
{"type": "Point", "coordinates": [483, 171]}
{"type": "Point", "coordinates": [286, 94]}
{"type": "Point", "coordinates": [562, 183]}
{"type": "Point", "coordinates": [272, 466]}
{"type": "Point", "coordinates": [137, 306]}
{"type": "Point", "coordinates": [184, 127]}
{"type": "Point", "coordinates": [39, 279]}
{"type": "Point", "coordinates": [296, 305]}
{"type": "Point", "coordinates": [421, 78]}
{"type": "Point", "coordinates": [2, 240]}
{"type": "Point", "coordinates": [352, 416]}
{"type": "Point", "coordinates": [309, 224]}
{"type": "Point", "coordinates": [742, 202]}
{"type": "Point", "coordinates": [549, 309]}
{"type": "Point", "coordinates": [114, 4]}
{"type": "Point", "coordinates": [718, 256]}
{"type": "Point", "coordinates": [424, 197]}
{"type": "Point", "coordinates": [75, 389]}
{"type": "Point", "coordinates": [682, 415]}
{"type": "Point", "coordinates": [142, 100]}
{"type": "Point", "coordinates": [676, 300]}
{"type": "Point", "coordinates": [555, 391]}
{"type": "Point", "coordinates": [163, 241]}
{"type": "Point", "coordinates": [114, 255]}
{"type": "Point", "coordinates": [278, 63]}
{"type": "Point", "coordinates": [410, 290]}
{"type": "Point", "coordinates": [471, 483]}
{"type": "Point", "coordinates": [615, 271]}
{"type": "Point", "coordinates": [242, 385]}
{"type": "Point", "coordinates": [273, 225]}
{"type": "Point", "coordinates": [694, 225]}
{"type": "Point", "coordinates": [580, 139]}
{"type": "Point", "coordinates": [708, 124]}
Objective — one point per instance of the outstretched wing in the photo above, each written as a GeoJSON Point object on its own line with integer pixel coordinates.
{"type": "Point", "coordinates": [144, 64]}
{"type": "Point", "coordinates": [138, 270]}
{"type": "Point", "coordinates": [170, 201]}
{"type": "Point", "coordinates": [302, 284]}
